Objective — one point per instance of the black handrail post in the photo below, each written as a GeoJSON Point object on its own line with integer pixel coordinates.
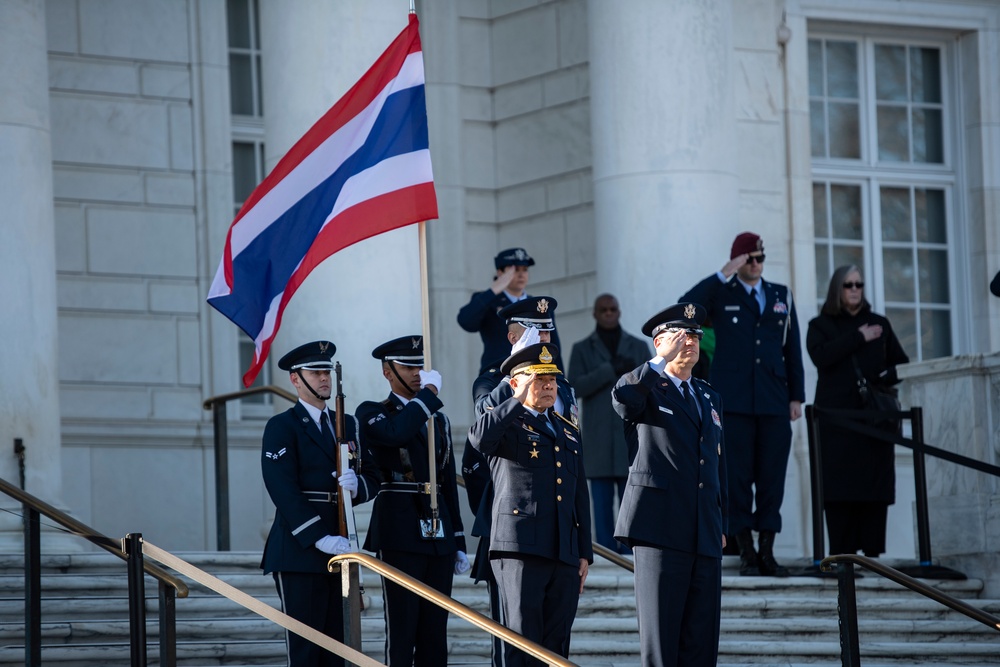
{"type": "Point", "coordinates": [920, 482]}
{"type": "Point", "coordinates": [221, 475]}
{"type": "Point", "coordinates": [32, 588]}
{"type": "Point", "coordinates": [847, 613]}
{"type": "Point", "coordinates": [132, 547]}
{"type": "Point", "coordinates": [168, 626]}
{"type": "Point", "coordinates": [816, 478]}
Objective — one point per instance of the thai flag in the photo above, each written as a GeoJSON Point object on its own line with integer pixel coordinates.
{"type": "Point", "coordinates": [363, 169]}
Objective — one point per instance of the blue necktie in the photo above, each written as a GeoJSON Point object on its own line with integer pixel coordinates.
{"type": "Point", "coordinates": [324, 422]}
{"type": "Point", "coordinates": [689, 397]}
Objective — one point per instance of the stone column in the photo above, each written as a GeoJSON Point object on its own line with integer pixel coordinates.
{"type": "Point", "coordinates": [664, 158]}
{"type": "Point", "coordinates": [29, 393]}
{"type": "Point", "coordinates": [369, 292]}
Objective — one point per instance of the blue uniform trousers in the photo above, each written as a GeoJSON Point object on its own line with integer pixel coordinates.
{"type": "Point", "coordinates": [416, 629]}
{"type": "Point", "coordinates": [757, 447]}
{"type": "Point", "coordinates": [315, 600]}
{"type": "Point", "coordinates": [538, 599]}
{"type": "Point", "coordinates": [678, 598]}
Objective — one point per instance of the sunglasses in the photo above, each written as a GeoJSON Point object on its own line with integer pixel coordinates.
{"type": "Point", "coordinates": [857, 284]}
{"type": "Point", "coordinates": [697, 333]}
{"type": "Point", "coordinates": [759, 259]}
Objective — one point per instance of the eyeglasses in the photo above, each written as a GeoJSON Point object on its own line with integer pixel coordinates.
{"type": "Point", "coordinates": [858, 284]}
{"type": "Point", "coordinates": [758, 259]}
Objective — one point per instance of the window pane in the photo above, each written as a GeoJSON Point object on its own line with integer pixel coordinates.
{"type": "Point", "coordinates": [845, 204]}
{"type": "Point", "coordinates": [238, 20]}
{"type": "Point", "coordinates": [893, 142]}
{"type": "Point", "coordinates": [895, 207]}
{"type": "Point", "coordinates": [820, 228]}
{"type": "Point", "coordinates": [842, 69]}
{"type": "Point", "coordinates": [844, 255]}
{"type": "Point", "coordinates": [817, 129]}
{"type": "Point", "coordinates": [890, 73]}
{"type": "Point", "coordinates": [899, 275]}
{"type": "Point", "coordinates": [935, 334]}
{"type": "Point", "coordinates": [925, 75]}
{"type": "Point", "coordinates": [928, 144]}
{"type": "Point", "coordinates": [240, 85]}
{"type": "Point", "coordinates": [933, 276]}
{"type": "Point", "coordinates": [845, 137]}
{"type": "Point", "coordinates": [244, 171]}
{"type": "Point", "coordinates": [930, 216]}
{"type": "Point", "coordinates": [904, 325]}
{"type": "Point", "coordinates": [822, 272]}
{"type": "Point", "coordinates": [815, 68]}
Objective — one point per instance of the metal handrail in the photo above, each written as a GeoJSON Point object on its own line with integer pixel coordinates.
{"type": "Point", "coordinates": [847, 603]}
{"type": "Point", "coordinates": [170, 587]}
{"type": "Point", "coordinates": [220, 441]}
{"type": "Point", "coordinates": [457, 608]}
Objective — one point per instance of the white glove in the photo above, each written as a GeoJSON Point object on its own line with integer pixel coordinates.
{"type": "Point", "coordinates": [348, 481]}
{"type": "Point", "coordinates": [461, 563]}
{"type": "Point", "coordinates": [334, 545]}
{"type": "Point", "coordinates": [529, 337]}
{"type": "Point", "coordinates": [431, 377]}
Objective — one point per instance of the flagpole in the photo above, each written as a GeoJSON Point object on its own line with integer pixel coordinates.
{"type": "Point", "coordinates": [425, 308]}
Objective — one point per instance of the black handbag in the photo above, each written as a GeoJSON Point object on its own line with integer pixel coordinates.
{"type": "Point", "coordinates": [879, 399]}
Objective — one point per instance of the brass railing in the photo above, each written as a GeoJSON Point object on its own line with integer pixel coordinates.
{"type": "Point", "coordinates": [220, 423]}
{"type": "Point", "coordinates": [170, 587]}
{"type": "Point", "coordinates": [847, 604]}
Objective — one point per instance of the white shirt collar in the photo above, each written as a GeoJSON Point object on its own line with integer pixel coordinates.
{"type": "Point", "coordinates": [515, 299]}
{"type": "Point", "coordinates": [314, 412]}
{"type": "Point", "coordinates": [402, 400]}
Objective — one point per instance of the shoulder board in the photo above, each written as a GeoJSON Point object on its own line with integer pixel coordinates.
{"type": "Point", "coordinates": [567, 421]}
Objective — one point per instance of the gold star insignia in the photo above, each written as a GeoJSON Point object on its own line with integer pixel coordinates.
{"type": "Point", "coordinates": [534, 453]}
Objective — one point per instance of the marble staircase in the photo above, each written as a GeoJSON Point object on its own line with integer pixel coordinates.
{"type": "Point", "coordinates": [765, 621]}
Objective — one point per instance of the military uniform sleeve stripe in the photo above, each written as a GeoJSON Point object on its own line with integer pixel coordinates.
{"type": "Point", "coordinates": [421, 404]}
{"type": "Point", "coordinates": [306, 525]}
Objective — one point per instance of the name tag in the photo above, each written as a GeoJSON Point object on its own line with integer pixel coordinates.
{"type": "Point", "coordinates": [732, 307]}
{"type": "Point", "coordinates": [667, 410]}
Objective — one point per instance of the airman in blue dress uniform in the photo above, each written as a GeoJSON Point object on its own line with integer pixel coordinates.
{"type": "Point", "coordinates": [757, 367]}
{"type": "Point", "coordinates": [540, 542]}
{"type": "Point", "coordinates": [299, 464]}
{"type": "Point", "coordinates": [401, 529]}
{"type": "Point", "coordinates": [673, 512]}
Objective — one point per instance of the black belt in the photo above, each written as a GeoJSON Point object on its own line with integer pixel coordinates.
{"type": "Point", "coordinates": [321, 496]}
{"type": "Point", "coordinates": [406, 487]}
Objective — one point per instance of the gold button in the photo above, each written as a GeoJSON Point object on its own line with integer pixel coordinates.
{"type": "Point", "coordinates": [559, 464]}
{"type": "Point", "coordinates": [515, 511]}
{"type": "Point", "coordinates": [558, 497]}
{"type": "Point", "coordinates": [557, 448]}
{"type": "Point", "coordinates": [558, 480]}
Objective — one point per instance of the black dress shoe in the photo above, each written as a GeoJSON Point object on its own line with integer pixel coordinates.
{"type": "Point", "coordinates": [749, 562]}
{"type": "Point", "coordinates": [768, 566]}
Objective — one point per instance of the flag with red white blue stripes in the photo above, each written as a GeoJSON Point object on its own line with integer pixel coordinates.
{"type": "Point", "coordinates": [363, 169]}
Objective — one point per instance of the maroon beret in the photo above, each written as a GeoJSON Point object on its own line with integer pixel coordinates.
{"type": "Point", "coordinates": [746, 243]}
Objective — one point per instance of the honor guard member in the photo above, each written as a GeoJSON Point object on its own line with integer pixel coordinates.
{"type": "Point", "coordinates": [481, 314]}
{"type": "Point", "coordinates": [401, 529]}
{"type": "Point", "coordinates": [673, 513]}
{"type": "Point", "coordinates": [540, 543]}
{"type": "Point", "coordinates": [757, 367]}
{"type": "Point", "coordinates": [299, 465]}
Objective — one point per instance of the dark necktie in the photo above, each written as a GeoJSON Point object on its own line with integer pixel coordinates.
{"type": "Point", "coordinates": [324, 423]}
{"type": "Point", "coordinates": [553, 426]}
{"type": "Point", "coordinates": [689, 397]}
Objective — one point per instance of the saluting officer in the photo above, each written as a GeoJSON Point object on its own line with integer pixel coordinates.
{"type": "Point", "coordinates": [673, 513]}
{"type": "Point", "coordinates": [481, 314]}
{"type": "Point", "coordinates": [401, 530]}
{"type": "Point", "coordinates": [540, 543]}
{"type": "Point", "coordinates": [299, 465]}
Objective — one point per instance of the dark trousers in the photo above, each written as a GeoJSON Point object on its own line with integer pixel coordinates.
{"type": "Point", "coordinates": [416, 630]}
{"type": "Point", "coordinates": [602, 494]}
{"type": "Point", "coordinates": [315, 600]}
{"type": "Point", "coordinates": [856, 526]}
{"type": "Point", "coordinates": [538, 599]}
{"type": "Point", "coordinates": [757, 449]}
{"type": "Point", "coordinates": [678, 598]}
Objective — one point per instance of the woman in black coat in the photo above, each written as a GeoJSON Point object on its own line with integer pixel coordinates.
{"type": "Point", "coordinates": [859, 477]}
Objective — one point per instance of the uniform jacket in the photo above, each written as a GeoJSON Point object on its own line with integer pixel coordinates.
{"type": "Point", "coordinates": [757, 365]}
{"type": "Point", "coordinates": [480, 316]}
{"type": "Point", "coordinates": [295, 459]}
{"type": "Point", "coordinates": [676, 496]}
{"type": "Point", "coordinates": [396, 435]}
{"type": "Point", "coordinates": [855, 467]}
{"type": "Point", "coordinates": [541, 506]}
{"type": "Point", "coordinates": [593, 377]}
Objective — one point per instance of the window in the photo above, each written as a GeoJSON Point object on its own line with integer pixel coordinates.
{"type": "Point", "coordinates": [244, 58]}
{"type": "Point", "coordinates": [882, 181]}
